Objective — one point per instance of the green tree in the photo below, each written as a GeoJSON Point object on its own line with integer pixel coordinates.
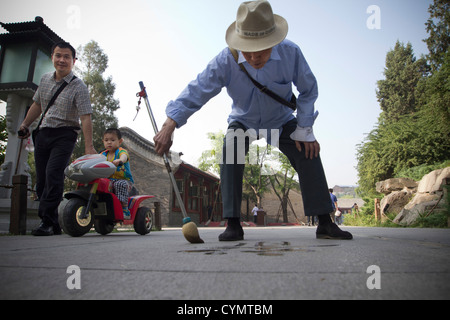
{"type": "Point", "coordinates": [256, 180]}
{"type": "Point", "coordinates": [434, 91]}
{"type": "Point", "coordinates": [390, 146]}
{"type": "Point", "coordinates": [283, 182]}
{"type": "Point", "coordinates": [265, 170]}
{"type": "Point", "coordinates": [255, 183]}
{"type": "Point", "coordinates": [438, 28]}
{"type": "Point", "coordinates": [91, 67]}
{"type": "Point", "coordinates": [210, 159]}
{"type": "Point", "coordinates": [413, 129]}
{"type": "Point", "coordinates": [370, 169]}
{"type": "Point", "coordinates": [433, 117]}
{"type": "Point", "coordinates": [396, 93]}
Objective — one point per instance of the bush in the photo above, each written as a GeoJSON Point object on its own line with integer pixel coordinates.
{"type": "Point", "coordinates": [434, 220]}
{"type": "Point", "coordinates": [417, 173]}
{"type": "Point", "coordinates": [361, 220]}
{"type": "Point", "coordinates": [368, 220]}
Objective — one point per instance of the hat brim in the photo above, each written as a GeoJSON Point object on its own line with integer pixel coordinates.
{"type": "Point", "coordinates": [258, 44]}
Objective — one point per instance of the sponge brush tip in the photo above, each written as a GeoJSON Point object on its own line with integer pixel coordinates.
{"type": "Point", "coordinates": [190, 232]}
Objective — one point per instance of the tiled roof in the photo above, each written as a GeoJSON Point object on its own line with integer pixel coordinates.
{"type": "Point", "coordinates": [29, 29]}
{"type": "Point", "coordinates": [348, 203]}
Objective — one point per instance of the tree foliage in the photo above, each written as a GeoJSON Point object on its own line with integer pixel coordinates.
{"type": "Point", "coordinates": [283, 182]}
{"type": "Point", "coordinates": [255, 182]}
{"type": "Point", "coordinates": [396, 93]}
{"type": "Point", "coordinates": [210, 159]}
{"type": "Point", "coordinates": [438, 28]}
{"type": "Point", "coordinates": [266, 169]}
{"type": "Point", "coordinates": [413, 128]}
{"type": "Point", "coordinates": [91, 67]}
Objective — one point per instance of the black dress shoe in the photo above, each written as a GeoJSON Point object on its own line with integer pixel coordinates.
{"type": "Point", "coordinates": [43, 230]}
{"type": "Point", "coordinates": [232, 235]}
{"type": "Point", "coordinates": [332, 231]}
{"type": "Point", "coordinates": [233, 232]}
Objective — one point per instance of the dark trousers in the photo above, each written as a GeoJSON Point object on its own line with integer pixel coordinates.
{"type": "Point", "coordinates": [53, 148]}
{"type": "Point", "coordinates": [313, 184]}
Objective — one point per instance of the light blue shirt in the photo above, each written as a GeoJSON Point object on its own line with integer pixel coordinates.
{"type": "Point", "coordinates": [254, 109]}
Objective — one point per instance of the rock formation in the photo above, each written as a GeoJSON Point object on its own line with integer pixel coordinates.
{"type": "Point", "coordinates": [408, 199]}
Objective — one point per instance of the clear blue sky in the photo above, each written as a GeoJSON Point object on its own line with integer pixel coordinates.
{"type": "Point", "coordinates": [166, 43]}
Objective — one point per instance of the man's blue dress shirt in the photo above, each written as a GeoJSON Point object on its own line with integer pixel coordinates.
{"type": "Point", "coordinates": [254, 109]}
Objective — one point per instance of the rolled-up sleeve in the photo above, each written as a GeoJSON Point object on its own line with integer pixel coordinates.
{"type": "Point", "coordinates": [303, 134]}
{"type": "Point", "coordinates": [306, 84]}
{"type": "Point", "coordinates": [207, 85]}
{"type": "Point", "coordinates": [37, 97]}
{"type": "Point", "coordinates": [82, 100]}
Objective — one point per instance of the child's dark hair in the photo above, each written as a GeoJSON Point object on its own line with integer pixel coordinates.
{"type": "Point", "coordinates": [65, 45]}
{"type": "Point", "coordinates": [114, 131]}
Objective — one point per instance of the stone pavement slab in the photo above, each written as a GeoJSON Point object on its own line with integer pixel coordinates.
{"type": "Point", "coordinates": [272, 263]}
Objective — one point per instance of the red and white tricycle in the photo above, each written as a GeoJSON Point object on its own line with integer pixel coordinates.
{"type": "Point", "coordinates": [94, 204]}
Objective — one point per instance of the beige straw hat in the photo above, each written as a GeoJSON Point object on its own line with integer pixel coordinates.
{"type": "Point", "coordinates": [256, 27]}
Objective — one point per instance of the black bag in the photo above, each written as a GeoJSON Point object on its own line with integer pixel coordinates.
{"type": "Point", "coordinates": [35, 132]}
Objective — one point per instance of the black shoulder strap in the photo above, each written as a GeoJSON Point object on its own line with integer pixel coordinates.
{"type": "Point", "coordinates": [53, 99]}
{"type": "Point", "coordinates": [292, 104]}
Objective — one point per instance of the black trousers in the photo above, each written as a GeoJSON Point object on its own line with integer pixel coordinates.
{"type": "Point", "coordinates": [53, 149]}
{"type": "Point", "coordinates": [313, 183]}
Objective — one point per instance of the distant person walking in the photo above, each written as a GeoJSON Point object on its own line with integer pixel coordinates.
{"type": "Point", "coordinates": [355, 209]}
{"type": "Point", "coordinates": [255, 213]}
{"type": "Point", "coordinates": [334, 203]}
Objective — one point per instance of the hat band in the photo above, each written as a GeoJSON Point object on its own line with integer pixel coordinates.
{"type": "Point", "coordinates": [255, 34]}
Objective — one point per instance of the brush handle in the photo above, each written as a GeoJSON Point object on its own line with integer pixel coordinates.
{"type": "Point", "coordinates": [166, 160]}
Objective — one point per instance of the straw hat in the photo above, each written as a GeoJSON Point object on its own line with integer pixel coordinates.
{"type": "Point", "coordinates": [256, 27]}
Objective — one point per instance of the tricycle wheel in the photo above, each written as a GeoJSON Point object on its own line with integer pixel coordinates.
{"type": "Point", "coordinates": [103, 226]}
{"type": "Point", "coordinates": [74, 224]}
{"type": "Point", "coordinates": [143, 222]}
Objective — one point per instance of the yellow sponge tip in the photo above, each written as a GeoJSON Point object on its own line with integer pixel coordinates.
{"type": "Point", "coordinates": [190, 232]}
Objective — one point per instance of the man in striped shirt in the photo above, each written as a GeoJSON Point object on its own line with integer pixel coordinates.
{"type": "Point", "coordinates": [58, 132]}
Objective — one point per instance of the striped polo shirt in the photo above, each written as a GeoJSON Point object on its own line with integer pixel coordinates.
{"type": "Point", "coordinates": [72, 102]}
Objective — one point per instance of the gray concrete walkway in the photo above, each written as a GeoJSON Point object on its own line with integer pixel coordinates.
{"type": "Point", "coordinates": [271, 263]}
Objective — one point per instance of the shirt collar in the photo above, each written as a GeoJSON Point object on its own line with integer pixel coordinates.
{"type": "Point", "coordinates": [275, 55]}
{"type": "Point", "coordinates": [241, 58]}
{"type": "Point", "coordinates": [67, 78]}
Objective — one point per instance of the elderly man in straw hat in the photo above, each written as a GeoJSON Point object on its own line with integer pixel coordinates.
{"type": "Point", "coordinates": [258, 70]}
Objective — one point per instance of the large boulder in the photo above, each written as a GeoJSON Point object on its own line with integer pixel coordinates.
{"type": "Point", "coordinates": [432, 182]}
{"type": "Point", "coordinates": [428, 195]}
{"type": "Point", "coordinates": [396, 201]}
{"type": "Point", "coordinates": [395, 184]}
{"type": "Point", "coordinates": [420, 204]}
